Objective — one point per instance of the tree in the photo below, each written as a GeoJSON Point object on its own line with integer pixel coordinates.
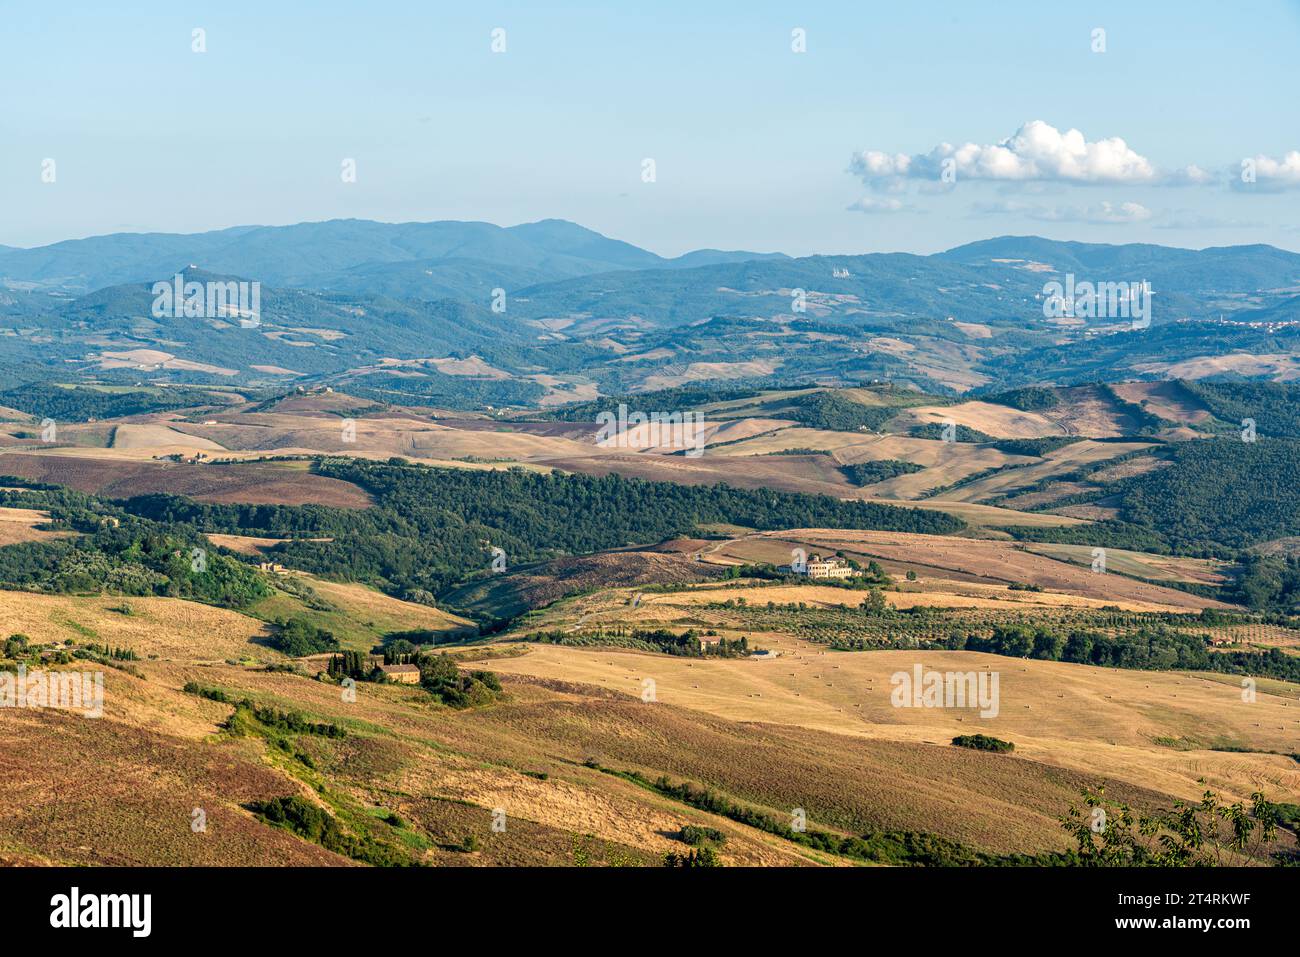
{"type": "Point", "coordinates": [1048, 645]}
{"type": "Point", "coordinates": [1209, 833]}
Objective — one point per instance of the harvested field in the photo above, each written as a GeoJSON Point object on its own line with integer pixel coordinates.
{"type": "Point", "coordinates": [150, 359]}
{"type": "Point", "coordinates": [1057, 462]}
{"type": "Point", "coordinates": [980, 558]}
{"type": "Point", "coordinates": [743, 429]}
{"type": "Point", "coordinates": [1280, 367]}
{"type": "Point", "coordinates": [704, 371]}
{"type": "Point", "coordinates": [507, 595]}
{"type": "Point", "coordinates": [1142, 465]}
{"type": "Point", "coordinates": [19, 525]}
{"type": "Point", "coordinates": [1102, 723]}
{"type": "Point", "coordinates": [944, 462]}
{"type": "Point", "coordinates": [387, 435]}
{"type": "Point", "coordinates": [999, 421]}
{"type": "Point", "coordinates": [166, 627]}
{"type": "Point", "coordinates": [925, 593]}
{"type": "Point", "coordinates": [250, 545]}
{"type": "Point", "coordinates": [1090, 411]}
{"type": "Point", "coordinates": [989, 516]}
{"type": "Point", "coordinates": [130, 435]}
{"type": "Point", "coordinates": [1087, 512]}
{"type": "Point", "coordinates": [1169, 400]}
{"type": "Point", "coordinates": [1141, 564]}
{"type": "Point", "coordinates": [814, 474]}
{"type": "Point", "coordinates": [260, 483]}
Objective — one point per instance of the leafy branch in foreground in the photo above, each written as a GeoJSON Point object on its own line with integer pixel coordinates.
{"type": "Point", "coordinates": [1210, 833]}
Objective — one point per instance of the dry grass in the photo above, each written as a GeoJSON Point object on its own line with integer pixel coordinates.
{"type": "Point", "coordinates": [160, 438]}
{"type": "Point", "coordinates": [384, 613]}
{"type": "Point", "coordinates": [972, 559]}
{"type": "Point", "coordinates": [1169, 400]}
{"type": "Point", "coordinates": [251, 545]}
{"type": "Point", "coordinates": [166, 627]}
{"type": "Point", "coordinates": [1141, 564]}
{"type": "Point", "coordinates": [990, 516]}
{"type": "Point", "coordinates": [806, 729]}
{"type": "Point", "coordinates": [99, 792]}
{"type": "Point", "coordinates": [1102, 723]}
{"type": "Point", "coordinates": [932, 593]}
{"type": "Point", "coordinates": [1068, 458]}
{"type": "Point", "coordinates": [999, 421]}
{"type": "Point", "coordinates": [1279, 367]}
{"type": "Point", "coordinates": [260, 483]}
{"type": "Point", "coordinates": [19, 525]}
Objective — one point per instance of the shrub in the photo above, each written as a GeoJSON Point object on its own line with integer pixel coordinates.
{"type": "Point", "coordinates": [298, 637]}
{"type": "Point", "coordinates": [696, 835]}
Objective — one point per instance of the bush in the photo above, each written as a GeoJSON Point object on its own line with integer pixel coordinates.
{"type": "Point", "coordinates": [696, 835]}
{"type": "Point", "coordinates": [305, 819]}
{"type": "Point", "coordinates": [442, 678]}
{"type": "Point", "coordinates": [298, 638]}
{"type": "Point", "coordinates": [703, 857]}
{"type": "Point", "coordinates": [983, 742]}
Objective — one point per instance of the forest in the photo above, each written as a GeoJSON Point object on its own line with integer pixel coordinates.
{"type": "Point", "coordinates": [1215, 498]}
{"type": "Point", "coordinates": [121, 554]}
{"type": "Point", "coordinates": [431, 528]}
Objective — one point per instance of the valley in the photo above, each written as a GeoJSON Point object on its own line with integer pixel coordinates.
{"type": "Point", "coordinates": [368, 528]}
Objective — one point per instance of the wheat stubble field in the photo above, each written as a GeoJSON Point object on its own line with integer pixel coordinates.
{"type": "Point", "coordinates": [1157, 728]}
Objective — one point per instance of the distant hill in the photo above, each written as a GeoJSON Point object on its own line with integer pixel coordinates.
{"type": "Point", "coordinates": [312, 254]}
{"type": "Point", "coordinates": [583, 314]}
{"type": "Point", "coordinates": [1168, 269]}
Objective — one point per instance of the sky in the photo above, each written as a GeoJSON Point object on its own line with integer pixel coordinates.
{"type": "Point", "coordinates": [911, 126]}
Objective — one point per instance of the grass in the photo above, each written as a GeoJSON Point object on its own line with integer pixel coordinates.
{"type": "Point", "coordinates": [358, 616]}
{"type": "Point", "coordinates": [1095, 721]}
{"type": "Point", "coordinates": [413, 782]}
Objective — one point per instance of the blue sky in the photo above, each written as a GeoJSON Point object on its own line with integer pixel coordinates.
{"type": "Point", "coordinates": [753, 144]}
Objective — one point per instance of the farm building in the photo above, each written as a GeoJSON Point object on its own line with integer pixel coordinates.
{"type": "Point", "coordinates": [818, 567]}
{"type": "Point", "coordinates": [403, 674]}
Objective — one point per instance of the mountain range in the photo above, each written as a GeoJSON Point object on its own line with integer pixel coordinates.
{"type": "Point", "coordinates": [551, 308]}
{"type": "Point", "coordinates": [342, 253]}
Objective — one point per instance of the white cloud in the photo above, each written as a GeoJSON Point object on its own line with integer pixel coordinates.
{"type": "Point", "coordinates": [1104, 213]}
{"type": "Point", "coordinates": [1037, 152]}
{"type": "Point", "coordinates": [1191, 175]}
{"type": "Point", "coordinates": [1270, 175]}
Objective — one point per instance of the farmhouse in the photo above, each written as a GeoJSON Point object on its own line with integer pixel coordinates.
{"type": "Point", "coordinates": [818, 567]}
{"type": "Point", "coordinates": [403, 674]}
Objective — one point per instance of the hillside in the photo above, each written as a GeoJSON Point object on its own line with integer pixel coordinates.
{"type": "Point", "coordinates": [561, 312]}
{"type": "Point", "coordinates": [767, 690]}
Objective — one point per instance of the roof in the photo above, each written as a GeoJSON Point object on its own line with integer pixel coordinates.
{"type": "Point", "coordinates": [398, 669]}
